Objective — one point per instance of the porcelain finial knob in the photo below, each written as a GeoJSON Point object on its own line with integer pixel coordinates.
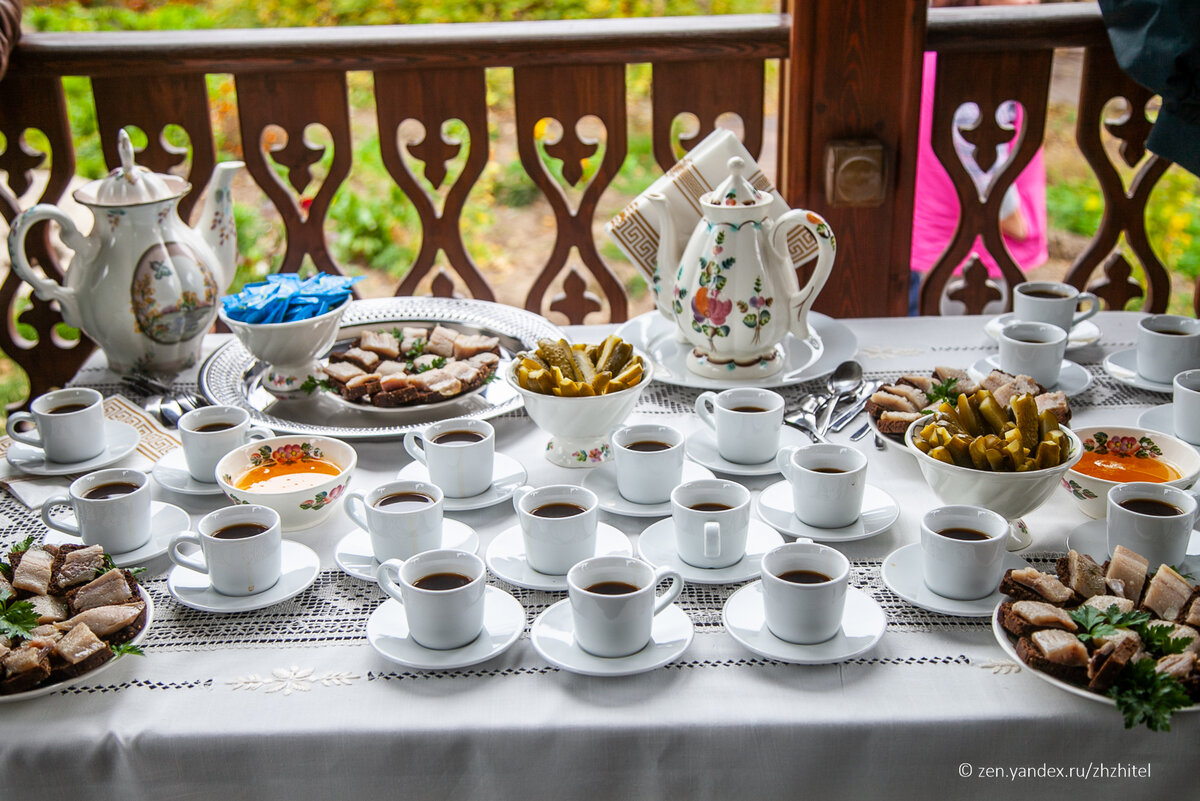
{"type": "Point", "coordinates": [737, 165]}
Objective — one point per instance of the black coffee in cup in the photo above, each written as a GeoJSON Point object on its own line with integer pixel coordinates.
{"type": "Point", "coordinates": [1151, 506]}
{"type": "Point", "coordinates": [612, 588]}
{"type": "Point", "coordinates": [1045, 294]}
{"type": "Point", "coordinates": [67, 408]}
{"type": "Point", "coordinates": [710, 506]}
{"type": "Point", "coordinates": [750, 409]}
{"type": "Point", "coordinates": [966, 534]}
{"type": "Point", "coordinates": [457, 438]}
{"type": "Point", "coordinates": [103, 491]}
{"type": "Point", "coordinates": [403, 501]}
{"type": "Point", "coordinates": [207, 427]}
{"type": "Point", "coordinates": [648, 445]}
{"type": "Point", "coordinates": [239, 531]}
{"type": "Point", "coordinates": [805, 577]}
{"type": "Point", "coordinates": [558, 510]}
{"type": "Point", "coordinates": [830, 470]}
{"type": "Point", "coordinates": [442, 581]}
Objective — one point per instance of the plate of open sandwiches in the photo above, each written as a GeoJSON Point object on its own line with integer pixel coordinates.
{"type": "Point", "coordinates": [66, 614]}
{"type": "Point", "coordinates": [894, 407]}
{"type": "Point", "coordinates": [397, 365]}
{"type": "Point", "coordinates": [1110, 633]}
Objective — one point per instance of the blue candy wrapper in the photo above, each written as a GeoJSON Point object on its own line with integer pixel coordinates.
{"type": "Point", "coordinates": [285, 298]}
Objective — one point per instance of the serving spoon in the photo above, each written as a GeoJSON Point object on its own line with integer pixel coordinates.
{"type": "Point", "coordinates": [845, 380]}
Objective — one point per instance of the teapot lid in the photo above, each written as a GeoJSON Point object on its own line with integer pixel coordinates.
{"type": "Point", "coordinates": [131, 184]}
{"type": "Point", "coordinates": [736, 190]}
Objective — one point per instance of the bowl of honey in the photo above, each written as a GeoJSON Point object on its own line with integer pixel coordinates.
{"type": "Point", "coordinates": [301, 477]}
{"type": "Point", "coordinates": [1115, 455]}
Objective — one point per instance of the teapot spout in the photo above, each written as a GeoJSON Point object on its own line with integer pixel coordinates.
{"type": "Point", "coordinates": [667, 261]}
{"type": "Point", "coordinates": [216, 225]}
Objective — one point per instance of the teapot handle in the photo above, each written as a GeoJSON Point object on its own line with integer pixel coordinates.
{"type": "Point", "coordinates": [802, 301]}
{"type": "Point", "coordinates": [46, 288]}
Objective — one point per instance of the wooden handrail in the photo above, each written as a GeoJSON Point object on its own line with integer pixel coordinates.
{"type": "Point", "coordinates": [1007, 28]}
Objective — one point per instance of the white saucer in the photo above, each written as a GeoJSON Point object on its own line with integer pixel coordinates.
{"type": "Point", "coordinates": [603, 482]}
{"type": "Point", "coordinates": [506, 558]}
{"type": "Point", "coordinates": [1084, 333]}
{"type": "Point", "coordinates": [166, 520]}
{"type": "Point", "coordinates": [1091, 538]}
{"type": "Point", "coordinates": [1072, 378]}
{"type": "Point", "coordinates": [300, 568]}
{"type": "Point", "coordinates": [1122, 366]}
{"type": "Point", "coordinates": [701, 447]}
{"type": "Point", "coordinates": [553, 636]}
{"type": "Point", "coordinates": [657, 546]}
{"type": "Point", "coordinates": [503, 622]}
{"type": "Point", "coordinates": [507, 475]}
{"type": "Point", "coordinates": [171, 472]}
{"type": "Point", "coordinates": [879, 511]}
{"type": "Point", "coordinates": [121, 439]}
{"type": "Point", "coordinates": [1160, 418]}
{"type": "Point", "coordinates": [904, 574]}
{"type": "Point", "coordinates": [355, 556]}
{"type": "Point", "coordinates": [863, 624]}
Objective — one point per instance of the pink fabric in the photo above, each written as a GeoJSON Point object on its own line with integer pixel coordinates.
{"type": "Point", "coordinates": [936, 209]}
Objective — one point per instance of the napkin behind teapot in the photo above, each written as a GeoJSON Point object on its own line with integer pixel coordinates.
{"type": "Point", "coordinates": [154, 442]}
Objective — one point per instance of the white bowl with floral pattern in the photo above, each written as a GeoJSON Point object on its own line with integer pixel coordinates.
{"type": "Point", "coordinates": [298, 508]}
{"type": "Point", "coordinates": [1126, 449]}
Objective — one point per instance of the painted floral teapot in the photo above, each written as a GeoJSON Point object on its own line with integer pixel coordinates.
{"type": "Point", "coordinates": [142, 284]}
{"type": "Point", "coordinates": [734, 294]}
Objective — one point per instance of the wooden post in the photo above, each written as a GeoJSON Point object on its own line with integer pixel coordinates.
{"type": "Point", "coordinates": [854, 79]}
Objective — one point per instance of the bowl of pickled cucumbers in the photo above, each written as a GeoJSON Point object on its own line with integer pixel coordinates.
{"type": "Point", "coordinates": [1007, 460]}
{"type": "Point", "coordinates": [579, 393]}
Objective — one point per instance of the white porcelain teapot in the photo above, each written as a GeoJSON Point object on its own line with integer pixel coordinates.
{"type": "Point", "coordinates": [733, 294]}
{"type": "Point", "coordinates": [142, 284]}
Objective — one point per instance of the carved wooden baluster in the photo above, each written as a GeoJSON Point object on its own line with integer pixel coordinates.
{"type": "Point", "coordinates": [152, 102]}
{"type": "Point", "coordinates": [28, 103]}
{"type": "Point", "coordinates": [294, 101]}
{"type": "Point", "coordinates": [988, 79]}
{"type": "Point", "coordinates": [1124, 211]}
{"type": "Point", "coordinates": [729, 86]}
{"type": "Point", "coordinates": [567, 94]}
{"type": "Point", "coordinates": [975, 291]}
{"type": "Point", "coordinates": [1117, 287]}
{"type": "Point", "coordinates": [433, 97]}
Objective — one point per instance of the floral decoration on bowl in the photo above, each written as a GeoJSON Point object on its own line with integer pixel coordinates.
{"type": "Point", "coordinates": [1140, 447]}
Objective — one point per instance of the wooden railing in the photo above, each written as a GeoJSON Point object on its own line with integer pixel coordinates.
{"type": "Point", "coordinates": [709, 66]}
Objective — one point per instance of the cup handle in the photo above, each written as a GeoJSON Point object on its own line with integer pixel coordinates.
{"type": "Point", "coordinates": [258, 432]}
{"type": "Point", "coordinates": [712, 539]}
{"type": "Point", "coordinates": [182, 559]}
{"type": "Point", "coordinates": [388, 577]}
{"type": "Point", "coordinates": [518, 494]}
{"type": "Point", "coordinates": [353, 512]}
{"type": "Point", "coordinates": [672, 592]}
{"type": "Point", "coordinates": [414, 450]}
{"type": "Point", "coordinates": [1093, 307]}
{"type": "Point", "coordinates": [29, 438]}
{"type": "Point", "coordinates": [704, 412]}
{"type": "Point", "coordinates": [50, 503]}
{"type": "Point", "coordinates": [783, 460]}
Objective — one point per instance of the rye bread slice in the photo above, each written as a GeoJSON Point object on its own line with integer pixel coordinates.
{"type": "Point", "coordinates": [1018, 626]}
{"type": "Point", "coordinates": [1032, 655]}
{"type": "Point", "coordinates": [1107, 663]}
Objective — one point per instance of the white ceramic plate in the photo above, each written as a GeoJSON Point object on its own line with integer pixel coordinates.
{"type": "Point", "coordinates": [507, 475]}
{"type": "Point", "coordinates": [553, 636]}
{"type": "Point", "coordinates": [863, 625]}
{"type": "Point", "coordinates": [121, 439]}
{"type": "Point", "coordinates": [879, 511]}
{"type": "Point", "coordinates": [701, 447]}
{"type": "Point", "coordinates": [1085, 333]}
{"type": "Point", "coordinates": [300, 568]}
{"type": "Point", "coordinates": [503, 622]}
{"type": "Point", "coordinates": [171, 473]}
{"type": "Point", "coordinates": [506, 558]}
{"type": "Point", "coordinates": [48, 689]}
{"type": "Point", "coordinates": [603, 482]}
{"type": "Point", "coordinates": [355, 556]}
{"type": "Point", "coordinates": [657, 546]}
{"type": "Point", "coordinates": [1072, 379]}
{"type": "Point", "coordinates": [904, 574]}
{"type": "Point", "coordinates": [1122, 367]}
{"type": "Point", "coordinates": [166, 520]}
{"type": "Point", "coordinates": [804, 359]}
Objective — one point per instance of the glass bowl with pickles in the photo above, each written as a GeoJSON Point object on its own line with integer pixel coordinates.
{"type": "Point", "coordinates": [580, 393]}
{"type": "Point", "coordinates": [1009, 461]}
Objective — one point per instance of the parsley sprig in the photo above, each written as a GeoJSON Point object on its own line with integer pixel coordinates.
{"type": "Point", "coordinates": [1095, 623]}
{"type": "Point", "coordinates": [1146, 696]}
{"type": "Point", "coordinates": [944, 391]}
{"type": "Point", "coordinates": [17, 618]}
{"type": "Point", "coordinates": [312, 384]}
{"type": "Point", "coordinates": [127, 649]}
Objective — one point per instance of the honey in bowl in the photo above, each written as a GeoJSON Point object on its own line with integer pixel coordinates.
{"type": "Point", "coordinates": [287, 468]}
{"type": "Point", "coordinates": [1113, 467]}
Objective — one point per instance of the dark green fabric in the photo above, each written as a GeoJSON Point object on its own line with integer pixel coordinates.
{"type": "Point", "coordinates": [1157, 42]}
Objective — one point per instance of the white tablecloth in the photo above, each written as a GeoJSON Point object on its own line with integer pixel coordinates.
{"type": "Point", "coordinates": [292, 702]}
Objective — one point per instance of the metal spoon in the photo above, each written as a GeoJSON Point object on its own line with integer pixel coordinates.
{"type": "Point", "coordinates": [805, 418]}
{"type": "Point", "coordinates": [845, 380]}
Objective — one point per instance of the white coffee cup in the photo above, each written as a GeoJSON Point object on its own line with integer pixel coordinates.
{"type": "Point", "coordinates": [210, 432]}
{"type": "Point", "coordinates": [400, 527]}
{"type": "Point", "coordinates": [440, 619]}
{"type": "Point", "coordinates": [616, 625]}
{"type": "Point", "coordinates": [236, 565]}
{"type": "Point", "coordinates": [1033, 349]}
{"type": "Point", "coordinates": [118, 523]}
{"type": "Point", "coordinates": [804, 613]}
{"type": "Point", "coordinates": [1052, 302]}
{"type": "Point", "coordinates": [461, 469]}
{"type": "Point", "coordinates": [828, 483]}
{"type": "Point", "coordinates": [744, 437]}
{"type": "Point", "coordinates": [1161, 539]}
{"type": "Point", "coordinates": [554, 544]}
{"type": "Point", "coordinates": [1186, 407]}
{"type": "Point", "coordinates": [1167, 344]}
{"type": "Point", "coordinates": [64, 436]}
{"type": "Point", "coordinates": [963, 569]}
{"type": "Point", "coordinates": [644, 475]}
{"type": "Point", "coordinates": [710, 536]}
